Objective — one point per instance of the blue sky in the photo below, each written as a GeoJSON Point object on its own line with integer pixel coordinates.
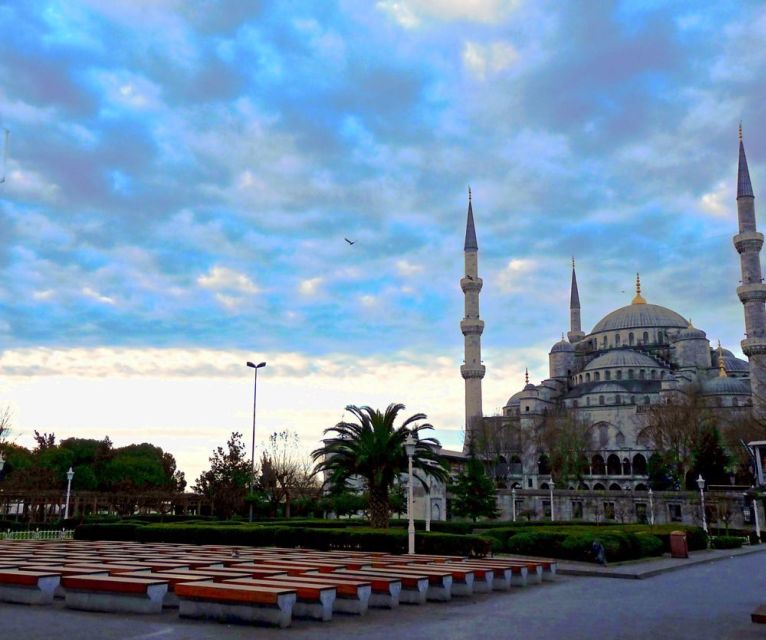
{"type": "Point", "coordinates": [181, 176]}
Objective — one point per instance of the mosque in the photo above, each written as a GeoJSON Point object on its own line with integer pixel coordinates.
{"type": "Point", "coordinates": [639, 355]}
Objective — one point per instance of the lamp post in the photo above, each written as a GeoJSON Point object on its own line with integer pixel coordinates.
{"type": "Point", "coordinates": [701, 485]}
{"type": "Point", "coordinates": [409, 447]}
{"type": "Point", "coordinates": [2, 462]}
{"type": "Point", "coordinates": [69, 476]}
{"type": "Point", "coordinates": [255, 368]}
{"type": "Point", "coordinates": [428, 505]}
{"type": "Point", "coordinates": [755, 517]}
{"type": "Point", "coordinates": [513, 503]}
{"type": "Point", "coordinates": [651, 506]}
{"type": "Point", "coordinates": [553, 514]}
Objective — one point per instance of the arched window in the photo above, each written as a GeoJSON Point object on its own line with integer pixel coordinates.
{"type": "Point", "coordinates": [632, 399]}
{"type": "Point", "coordinates": [615, 487]}
{"type": "Point", "coordinates": [639, 465]}
{"type": "Point", "coordinates": [642, 374]}
{"type": "Point", "coordinates": [543, 465]}
{"type": "Point", "coordinates": [603, 342]}
{"type": "Point", "coordinates": [601, 399]}
{"type": "Point", "coordinates": [617, 399]}
{"type": "Point", "coordinates": [646, 400]}
{"type": "Point", "coordinates": [617, 340]}
{"type": "Point", "coordinates": [613, 467]}
{"type": "Point", "coordinates": [607, 375]}
{"type": "Point", "coordinates": [646, 337]}
{"type": "Point", "coordinates": [597, 376]}
{"type": "Point", "coordinates": [515, 467]}
{"type": "Point", "coordinates": [603, 435]}
{"type": "Point", "coordinates": [631, 339]}
{"type": "Point", "coordinates": [630, 374]}
{"type": "Point", "coordinates": [599, 487]}
{"type": "Point", "coordinates": [654, 374]}
{"type": "Point", "coordinates": [587, 377]}
{"type": "Point", "coordinates": [640, 487]}
{"type": "Point", "coordinates": [587, 401]}
{"type": "Point", "coordinates": [619, 439]}
{"type": "Point", "coordinates": [626, 466]}
{"type": "Point", "coordinates": [597, 465]}
{"type": "Point", "coordinates": [574, 404]}
{"type": "Point", "coordinates": [619, 374]}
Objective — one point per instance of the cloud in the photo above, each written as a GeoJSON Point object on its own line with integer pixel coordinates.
{"type": "Point", "coordinates": [310, 287]}
{"type": "Point", "coordinates": [482, 60]}
{"type": "Point", "coordinates": [225, 279]}
{"type": "Point", "coordinates": [412, 13]}
{"type": "Point", "coordinates": [718, 201]}
{"type": "Point", "coordinates": [407, 268]}
{"type": "Point", "coordinates": [515, 276]}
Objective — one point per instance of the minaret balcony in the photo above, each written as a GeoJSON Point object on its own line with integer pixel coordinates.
{"type": "Point", "coordinates": [753, 291]}
{"type": "Point", "coordinates": [472, 371]}
{"type": "Point", "coordinates": [471, 284]}
{"type": "Point", "coordinates": [754, 346]}
{"type": "Point", "coordinates": [748, 241]}
{"type": "Point", "coordinates": [472, 326]}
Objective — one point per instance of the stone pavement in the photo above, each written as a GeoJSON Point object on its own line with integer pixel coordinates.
{"type": "Point", "coordinates": [647, 568]}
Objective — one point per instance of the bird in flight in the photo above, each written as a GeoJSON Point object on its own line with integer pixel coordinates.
{"type": "Point", "coordinates": [350, 241]}
{"type": "Point", "coordinates": [469, 277]}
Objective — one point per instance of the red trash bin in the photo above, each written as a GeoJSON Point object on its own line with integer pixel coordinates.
{"type": "Point", "coordinates": [678, 545]}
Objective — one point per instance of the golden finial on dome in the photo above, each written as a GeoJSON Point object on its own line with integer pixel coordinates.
{"type": "Point", "coordinates": [469, 193]}
{"type": "Point", "coordinates": [638, 299]}
{"type": "Point", "coordinates": [526, 375]}
{"type": "Point", "coordinates": [721, 365]}
{"type": "Point", "coordinates": [690, 325]}
{"type": "Point", "coordinates": [740, 130]}
{"type": "Point", "coordinates": [573, 262]}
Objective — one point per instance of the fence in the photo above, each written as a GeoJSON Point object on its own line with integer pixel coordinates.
{"type": "Point", "coordinates": [63, 534]}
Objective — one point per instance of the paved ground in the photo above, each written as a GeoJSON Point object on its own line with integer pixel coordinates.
{"type": "Point", "coordinates": [711, 600]}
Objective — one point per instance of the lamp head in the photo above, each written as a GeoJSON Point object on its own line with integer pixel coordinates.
{"type": "Point", "coordinates": [409, 445]}
{"type": "Point", "coordinates": [700, 482]}
{"type": "Point", "coordinates": [70, 474]}
{"type": "Point", "coordinates": [260, 365]}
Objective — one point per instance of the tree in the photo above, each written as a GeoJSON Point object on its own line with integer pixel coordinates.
{"type": "Point", "coordinates": [473, 493]}
{"type": "Point", "coordinates": [6, 422]}
{"type": "Point", "coordinates": [711, 460]}
{"type": "Point", "coordinates": [373, 449]}
{"type": "Point", "coordinates": [284, 474]}
{"type": "Point", "coordinates": [226, 482]}
{"type": "Point", "coordinates": [568, 439]}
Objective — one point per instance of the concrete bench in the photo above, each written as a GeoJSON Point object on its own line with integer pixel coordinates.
{"type": "Point", "coordinates": [114, 593]}
{"type": "Point", "coordinates": [545, 567]}
{"type": "Point", "coordinates": [352, 595]}
{"type": "Point", "coordinates": [170, 601]}
{"type": "Point", "coordinates": [226, 602]}
{"type": "Point", "coordinates": [482, 577]}
{"type": "Point", "coordinates": [414, 586]}
{"type": "Point", "coordinates": [314, 600]}
{"type": "Point", "coordinates": [28, 587]}
{"type": "Point", "coordinates": [384, 591]}
{"type": "Point", "coordinates": [219, 575]}
{"type": "Point", "coordinates": [505, 575]}
{"type": "Point", "coordinates": [442, 583]}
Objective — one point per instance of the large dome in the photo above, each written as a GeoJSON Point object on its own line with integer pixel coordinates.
{"type": "Point", "coordinates": [621, 358]}
{"type": "Point", "coordinates": [638, 316]}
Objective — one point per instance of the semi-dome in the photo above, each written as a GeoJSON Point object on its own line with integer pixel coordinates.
{"type": "Point", "coordinates": [607, 387]}
{"type": "Point", "coordinates": [515, 399]}
{"type": "Point", "coordinates": [724, 385]}
{"type": "Point", "coordinates": [639, 316]}
{"type": "Point", "coordinates": [731, 363]}
{"type": "Point", "coordinates": [621, 358]}
{"type": "Point", "coordinates": [562, 345]}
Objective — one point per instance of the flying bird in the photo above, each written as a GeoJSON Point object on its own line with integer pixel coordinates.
{"type": "Point", "coordinates": [469, 277]}
{"type": "Point", "coordinates": [350, 241]}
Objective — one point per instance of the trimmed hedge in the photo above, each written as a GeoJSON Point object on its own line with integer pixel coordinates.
{"type": "Point", "coordinates": [726, 542]}
{"type": "Point", "coordinates": [351, 538]}
{"type": "Point", "coordinates": [577, 545]}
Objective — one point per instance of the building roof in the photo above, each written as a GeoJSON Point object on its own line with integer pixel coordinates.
{"type": "Point", "coordinates": [621, 358]}
{"type": "Point", "coordinates": [641, 316]}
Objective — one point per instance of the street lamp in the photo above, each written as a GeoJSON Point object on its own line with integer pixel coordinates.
{"type": "Point", "coordinates": [701, 485]}
{"type": "Point", "coordinates": [2, 461]}
{"type": "Point", "coordinates": [651, 506]}
{"type": "Point", "coordinates": [755, 517]}
{"type": "Point", "coordinates": [409, 447]}
{"type": "Point", "coordinates": [513, 503]}
{"type": "Point", "coordinates": [553, 514]}
{"type": "Point", "coordinates": [255, 368]}
{"type": "Point", "coordinates": [69, 476]}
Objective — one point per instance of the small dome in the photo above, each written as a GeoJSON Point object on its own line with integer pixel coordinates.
{"type": "Point", "coordinates": [530, 387]}
{"type": "Point", "coordinates": [724, 386]}
{"type": "Point", "coordinates": [691, 333]}
{"type": "Point", "coordinates": [621, 358]}
{"type": "Point", "coordinates": [639, 316]}
{"type": "Point", "coordinates": [562, 345]}
{"type": "Point", "coordinates": [514, 400]}
{"type": "Point", "coordinates": [731, 363]}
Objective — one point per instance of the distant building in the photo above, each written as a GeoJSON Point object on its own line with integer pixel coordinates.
{"type": "Point", "coordinates": [637, 356]}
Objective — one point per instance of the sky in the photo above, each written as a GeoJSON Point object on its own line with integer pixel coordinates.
{"type": "Point", "coordinates": [181, 175]}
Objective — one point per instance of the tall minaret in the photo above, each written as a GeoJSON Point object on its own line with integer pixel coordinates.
{"type": "Point", "coordinates": [752, 291]}
{"type": "Point", "coordinates": [472, 327]}
{"type": "Point", "coordinates": [575, 329]}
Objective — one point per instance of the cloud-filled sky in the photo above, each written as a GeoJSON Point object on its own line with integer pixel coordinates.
{"type": "Point", "coordinates": [180, 176]}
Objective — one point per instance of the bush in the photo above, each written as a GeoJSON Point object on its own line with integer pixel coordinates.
{"type": "Point", "coordinates": [107, 531]}
{"type": "Point", "coordinates": [537, 543]}
{"type": "Point", "coordinates": [726, 542]}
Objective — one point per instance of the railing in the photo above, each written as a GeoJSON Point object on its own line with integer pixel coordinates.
{"type": "Point", "coordinates": [63, 534]}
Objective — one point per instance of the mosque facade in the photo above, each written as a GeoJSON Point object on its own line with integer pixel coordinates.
{"type": "Point", "coordinates": [608, 379]}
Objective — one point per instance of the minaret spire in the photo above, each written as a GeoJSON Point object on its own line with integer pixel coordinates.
{"type": "Point", "coordinates": [575, 328]}
{"type": "Point", "coordinates": [752, 291]}
{"type": "Point", "coordinates": [638, 298]}
{"type": "Point", "coordinates": [472, 327]}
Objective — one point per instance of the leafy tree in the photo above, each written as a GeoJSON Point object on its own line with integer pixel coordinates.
{"type": "Point", "coordinates": [710, 459]}
{"type": "Point", "coordinates": [474, 494]}
{"type": "Point", "coordinates": [227, 481]}
{"type": "Point", "coordinates": [662, 472]}
{"type": "Point", "coordinates": [568, 439]}
{"type": "Point", "coordinates": [372, 449]}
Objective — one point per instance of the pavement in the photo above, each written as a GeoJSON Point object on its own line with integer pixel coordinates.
{"type": "Point", "coordinates": [706, 600]}
{"type": "Point", "coordinates": [648, 568]}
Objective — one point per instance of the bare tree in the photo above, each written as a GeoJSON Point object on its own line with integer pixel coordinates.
{"type": "Point", "coordinates": [6, 422]}
{"type": "Point", "coordinates": [285, 474]}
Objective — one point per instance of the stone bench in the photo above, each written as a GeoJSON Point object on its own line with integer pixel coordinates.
{"type": "Point", "coordinates": [442, 583]}
{"type": "Point", "coordinates": [505, 574]}
{"type": "Point", "coordinates": [482, 576]}
{"type": "Point", "coordinates": [240, 603]}
{"type": "Point", "coordinates": [415, 587]}
{"type": "Point", "coordinates": [384, 591]}
{"type": "Point", "coordinates": [313, 600]}
{"type": "Point", "coordinates": [114, 593]}
{"type": "Point", "coordinates": [28, 587]}
{"type": "Point", "coordinates": [170, 601]}
{"type": "Point", "coordinates": [352, 595]}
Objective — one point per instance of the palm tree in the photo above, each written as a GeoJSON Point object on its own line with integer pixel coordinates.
{"type": "Point", "coordinates": [373, 449]}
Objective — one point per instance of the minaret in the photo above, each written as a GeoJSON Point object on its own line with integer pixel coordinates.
{"type": "Point", "coordinates": [575, 329]}
{"type": "Point", "coordinates": [752, 291]}
{"type": "Point", "coordinates": [472, 327]}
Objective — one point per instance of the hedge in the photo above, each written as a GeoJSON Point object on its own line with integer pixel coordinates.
{"type": "Point", "coordinates": [726, 542]}
{"type": "Point", "coordinates": [352, 538]}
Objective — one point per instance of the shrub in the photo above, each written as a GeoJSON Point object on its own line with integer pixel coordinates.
{"type": "Point", "coordinates": [726, 542]}
{"type": "Point", "coordinates": [537, 543]}
{"type": "Point", "coordinates": [107, 531]}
